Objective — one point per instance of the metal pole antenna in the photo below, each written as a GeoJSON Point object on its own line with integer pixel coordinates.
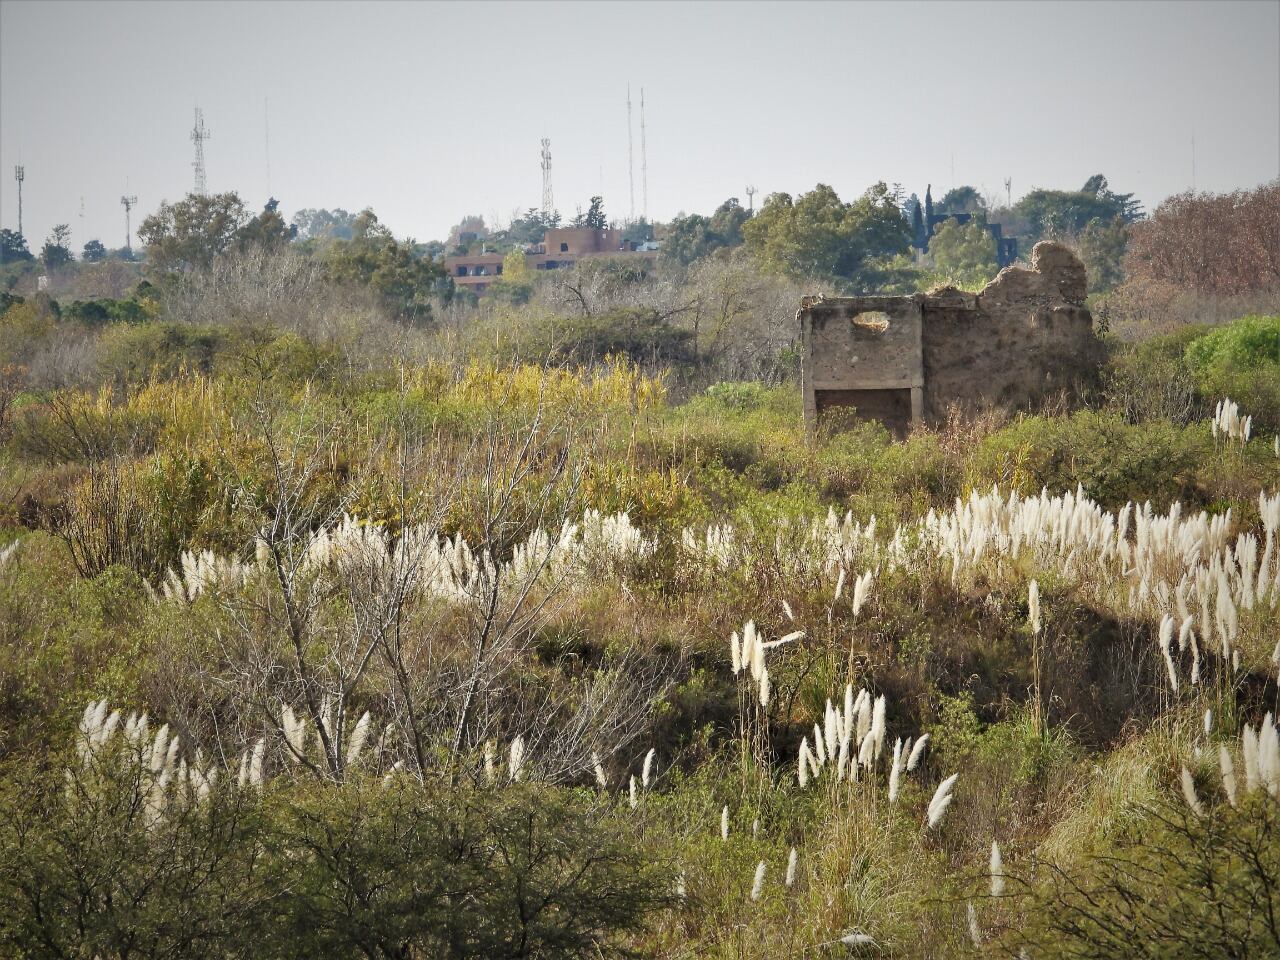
{"type": "Point", "coordinates": [198, 136]}
{"type": "Point", "coordinates": [128, 202]}
{"type": "Point", "coordinates": [19, 174]}
{"type": "Point", "coordinates": [751, 200]}
{"type": "Point", "coordinates": [631, 159]}
{"type": "Point", "coordinates": [548, 200]}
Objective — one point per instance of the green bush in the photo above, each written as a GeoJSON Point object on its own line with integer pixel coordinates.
{"type": "Point", "coordinates": [1241, 361]}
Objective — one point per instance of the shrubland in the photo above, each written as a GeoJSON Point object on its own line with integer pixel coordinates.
{"type": "Point", "coordinates": [541, 627]}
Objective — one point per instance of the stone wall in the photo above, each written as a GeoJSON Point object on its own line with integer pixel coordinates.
{"type": "Point", "coordinates": [1026, 336]}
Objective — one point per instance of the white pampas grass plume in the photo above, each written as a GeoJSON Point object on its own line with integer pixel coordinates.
{"type": "Point", "coordinates": [975, 932]}
{"type": "Point", "coordinates": [358, 737]}
{"type": "Point", "coordinates": [792, 858]}
{"type": "Point", "coordinates": [1033, 606]}
{"type": "Point", "coordinates": [515, 761]}
{"type": "Point", "coordinates": [861, 589]}
{"type": "Point", "coordinates": [941, 800]}
{"type": "Point", "coordinates": [680, 892]}
{"type": "Point", "coordinates": [757, 885]}
{"type": "Point", "coordinates": [1269, 756]}
{"type": "Point", "coordinates": [1208, 722]}
{"type": "Point", "coordinates": [633, 799]}
{"type": "Point", "coordinates": [490, 762]}
{"type": "Point", "coordinates": [724, 823]}
{"type": "Point", "coordinates": [766, 687]}
{"type": "Point", "coordinates": [916, 753]}
{"type": "Point", "coordinates": [856, 939]}
{"type": "Point", "coordinates": [802, 763]}
{"type": "Point", "coordinates": [647, 774]}
{"type": "Point", "coordinates": [878, 725]}
{"type": "Point", "coordinates": [997, 871]}
{"type": "Point", "coordinates": [1228, 773]}
{"type": "Point", "coordinates": [787, 638]}
{"type": "Point", "coordinates": [255, 763]}
{"type": "Point", "coordinates": [1166, 638]}
{"type": "Point", "coordinates": [786, 608]}
{"type": "Point", "coordinates": [866, 752]}
{"type": "Point", "coordinates": [895, 772]}
{"type": "Point", "coordinates": [601, 780]}
{"type": "Point", "coordinates": [1249, 750]}
{"type": "Point", "coordinates": [1189, 793]}
{"type": "Point", "coordinates": [735, 650]}
{"type": "Point", "coordinates": [839, 586]}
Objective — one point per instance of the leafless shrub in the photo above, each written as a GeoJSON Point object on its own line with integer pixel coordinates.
{"type": "Point", "coordinates": [106, 520]}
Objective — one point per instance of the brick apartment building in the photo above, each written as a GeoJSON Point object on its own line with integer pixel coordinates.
{"type": "Point", "coordinates": [560, 248]}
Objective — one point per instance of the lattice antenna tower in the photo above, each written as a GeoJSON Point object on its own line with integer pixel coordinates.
{"type": "Point", "coordinates": [548, 198]}
{"type": "Point", "coordinates": [128, 201]}
{"type": "Point", "coordinates": [199, 134]}
{"type": "Point", "coordinates": [1008, 191]}
{"type": "Point", "coordinates": [644, 165]}
{"type": "Point", "coordinates": [631, 158]}
{"type": "Point", "coordinates": [20, 174]}
{"type": "Point", "coordinates": [751, 199]}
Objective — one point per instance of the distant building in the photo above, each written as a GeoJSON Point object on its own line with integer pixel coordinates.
{"type": "Point", "coordinates": [1006, 247]}
{"type": "Point", "coordinates": [560, 248]}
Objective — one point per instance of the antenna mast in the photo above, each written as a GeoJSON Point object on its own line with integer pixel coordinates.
{"type": "Point", "coordinates": [751, 200]}
{"type": "Point", "coordinates": [631, 158]}
{"type": "Point", "coordinates": [644, 163]}
{"type": "Point", "coordinates": [20, 174]}
{"type": "Point", "coordinates": [128, 203]}
{"type": "Point", "coordinates": [198, 136]}
{"type": "Point", "coordinates": [548, 199]}
{"type": "Point", "coordinates": [1008, 192]}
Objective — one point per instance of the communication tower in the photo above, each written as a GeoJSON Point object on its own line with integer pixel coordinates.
{"type": "Point", "coordinates": [751, 200]}
{"type": "Point", "coordinates": [20, 174]}
{"type": "Point", "coordinates": [548, 199]}
{"type": "Point", "coordinates": [198, 136]}
{"type": "Point", "coordinates": [631, 158]}
{"type": "Point", "coordinates": [128, 202]}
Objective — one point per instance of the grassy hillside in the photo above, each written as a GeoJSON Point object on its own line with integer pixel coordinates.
{"type": "Point", "coordinates": [305, 656]}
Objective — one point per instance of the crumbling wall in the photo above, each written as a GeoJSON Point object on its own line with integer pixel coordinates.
{"type": "Point", "coordinates": [1026, 336]}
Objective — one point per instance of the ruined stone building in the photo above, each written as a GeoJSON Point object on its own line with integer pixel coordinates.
{"type": "Point", "coordinates": [904, 360]}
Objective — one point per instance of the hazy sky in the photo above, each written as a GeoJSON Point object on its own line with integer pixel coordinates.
{"type": "Point", "coordinates": [427, 112]}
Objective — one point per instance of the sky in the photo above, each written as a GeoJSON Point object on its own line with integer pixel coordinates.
{"type": "Point", "coordinates": [428, 112]}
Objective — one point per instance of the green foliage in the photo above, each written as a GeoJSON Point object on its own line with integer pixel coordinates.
{"type": "Point", "coordinates": [56, 252]}
{"type": "Point", "coordinates": [1102, 246]}
{"type": "Point", "coordinates": [1241, 361]}
{"type": "Point", "coordinates": [191, 233]}
{"type": "Point", "coordinates": [964, 252]}
{"type": "Point", "coordinates": [365, 869]}
{"type": "Point", "coordinates": [322, 225]}
{"type": "Point", "coordinates": [94, 252]}
{"type": "Point", "coordinates": [266, 232]}
{"type": "Point", "coordinates": [639, 335]}
{"type": "Point", "coordinates": [820, 236]}
{"type": "Point", "coordinates": [13, 247]}
{"type": "Point", "coordinates": [1056, 213]}
{"type": "Point", "coordinates": [407, 283]}
{"type": "Point", "coordinates": [963, 199]}
{"type": "Point", "coordinates": [1170, 885]}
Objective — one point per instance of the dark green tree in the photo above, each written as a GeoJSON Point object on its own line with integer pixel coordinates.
{"type": "Point", "coordinates": [406, 281]}
{"type": "Point", "coordinates": [1065, 213]}
{"type": "Point", "coordinates": [964, 252]}
{"type": "Point", "coordinates": [267, 231]}
{"type": "Point", "coordinates": [94, 252]}
{"type": "Point", "coordinates": [192, 232]}
{"type": "Point", "coordinates": [57, 249]}
{"type": "Point", "coordinates": [1102, 248]}
{"type": "Point", "coordinates": [819, 236]}
{"type": "Point", "coordinates": [594, 218]}
{"type": "Point", "coordinates": [13, 247]}
{"type": "Point", "coordinates": [961, 200]}
{"type": "Point", "coordinates": [322, 224]}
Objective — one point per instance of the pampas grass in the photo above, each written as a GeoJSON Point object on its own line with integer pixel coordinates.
{"type": "Point", "coordinates": [757, 885]}
{"type": "Point", "coordinates": [515, 760]}
{"type": "Point", "coordinates": [647, 774]}
{"type": "Point", "coordinates": [997, 871]}
{"type": "Point", "coordinates": [792, 859]}
{"type": "Point", "coordinates": [916, 753]}
{"type": "Point", "coordinates": [941, 800]}
{"type": "Point", "coordinates": [1189, 793]}
{"type": "Point", "coordinates": [1228, 773]}
{"type": "Point", "coordinates": [724, 824]}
